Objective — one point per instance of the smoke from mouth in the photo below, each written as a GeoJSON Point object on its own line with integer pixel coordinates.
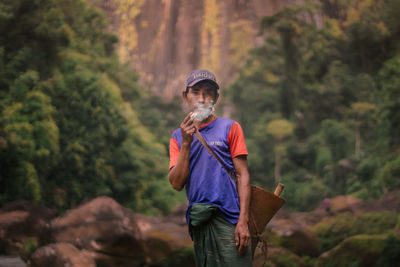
{"type": "Point", "coordinates": [202, 111]}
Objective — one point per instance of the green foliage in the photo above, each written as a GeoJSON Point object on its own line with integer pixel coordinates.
{"type": "Point", "coordinates": [28, 248]}
{"type": "Point", "coordinates": [304, 192]}
{"type": "Point", "coordinates": [390, 255]}
{"type": "Point", "coordinates": [390, 101]}
{"type": "Point", "coordinates": [284, 258]}
{"type": "Point", "coordinates": [334, 230]}
{"type": "Point", "coordinates": [70, 124]}
{"type": "Point", "coordinates": [184, 257]}
{"type": "Point", "coordinates": [332, 70]}
{"type": "Point", "coordinates": [390, 174]}
{"type": "Point", "coordinates": [359, 250]}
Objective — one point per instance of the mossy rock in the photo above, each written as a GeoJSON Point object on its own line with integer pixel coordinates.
{"type": "Point", "coordinates": [182, 258]}
{"type": "Point", "coordinates": [278, 256]}
{"type": "Point", "coordinates": [333, 230]}
{"type": "Point", "coordinates": [390, 255]}
{"type": "Point", "coordinates": [295, 237]}
{"type": "Point", "coordinates": [356, 251]}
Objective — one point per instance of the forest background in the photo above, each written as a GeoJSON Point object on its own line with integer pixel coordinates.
{"type": "Point", "coordinates": [318, 100]}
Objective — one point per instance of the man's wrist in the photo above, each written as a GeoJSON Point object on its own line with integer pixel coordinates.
{"type": "Point", "coordinates": [243, 219]}
{"type": "Point", "coordinates": [185, 144]}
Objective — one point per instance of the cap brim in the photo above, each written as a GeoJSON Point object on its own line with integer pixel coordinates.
{"type": "Point", "coordinates": [200, 80]}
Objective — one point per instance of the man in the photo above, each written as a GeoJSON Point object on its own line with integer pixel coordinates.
{"type": "Point", "coordinates": [217, 213]}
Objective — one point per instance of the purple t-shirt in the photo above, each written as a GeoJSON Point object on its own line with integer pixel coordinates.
{"type": "Point", "coordinates": [208, 181]}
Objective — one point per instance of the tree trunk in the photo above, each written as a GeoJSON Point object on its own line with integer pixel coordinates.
{"type": "Point", "coordinates": [277, 167]}
{"type": "Point", "coordinates": [358, 142]}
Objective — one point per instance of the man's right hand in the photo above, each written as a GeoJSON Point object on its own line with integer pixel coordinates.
{"type": "Point", "coordinates": [187, 129]}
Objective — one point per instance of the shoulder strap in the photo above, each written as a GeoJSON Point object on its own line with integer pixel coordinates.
{"type": "Point", "coordinates": [204, 143]}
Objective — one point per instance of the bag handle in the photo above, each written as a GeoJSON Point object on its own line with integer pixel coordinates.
{"type": "Point", "coordinates": [204, 143]}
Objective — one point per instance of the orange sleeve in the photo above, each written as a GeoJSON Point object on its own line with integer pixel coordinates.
{"type": "Point", "coordinates": [173, 152]}
{"type": "Point", "coordinates": [236, 142]}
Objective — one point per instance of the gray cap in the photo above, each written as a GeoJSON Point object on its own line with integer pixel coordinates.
{"type": "Point", "coordinates": [200, 75]}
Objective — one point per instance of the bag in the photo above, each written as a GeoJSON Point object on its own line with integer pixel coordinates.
{"type": "Point", "coordinates": [263, 204]}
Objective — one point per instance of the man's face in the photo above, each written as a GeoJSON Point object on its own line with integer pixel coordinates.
{"type": "Point", "coordinates": [200, 94]}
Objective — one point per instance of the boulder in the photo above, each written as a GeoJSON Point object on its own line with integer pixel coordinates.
{"type": "Point", "coordinates": [162, 237]}
{"type": "Point", "coordinates": [343, 203]}
{"type": "Point", "coordinates": [102, 226]}
{"type": "Point", "coordinates": [277, 256]}
{"type": "Point", "coordinates": [295, 237]}
{"type": "Point", "coordinates": [60, 254]}
{"type": "Point", "coordinates": [359, 250]}
{"type": "Point", "coordinates": [115, 236]}
{"type": "Point", "coordinates": [178, 215]}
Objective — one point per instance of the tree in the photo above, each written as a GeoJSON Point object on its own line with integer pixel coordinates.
{"type": "Point", "coordinates": [361, 109]}
{"type": "Point", "coordinates": [66, 132]}
{"type": "Point", "coordinates": [279, 129]}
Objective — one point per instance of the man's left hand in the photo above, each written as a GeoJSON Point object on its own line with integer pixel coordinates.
{"type": "Point", "coordinates": [242, 236]}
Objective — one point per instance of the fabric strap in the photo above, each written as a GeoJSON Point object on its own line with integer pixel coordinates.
{"type": "Point", "coordinates": [204, 143]}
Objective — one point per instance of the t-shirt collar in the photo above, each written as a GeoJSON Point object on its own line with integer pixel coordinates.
{"type": "Point", "coordinates": [208, 123]}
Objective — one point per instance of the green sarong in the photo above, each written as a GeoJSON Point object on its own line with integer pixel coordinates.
{"type": "Point", "coordinates": [214, 239]}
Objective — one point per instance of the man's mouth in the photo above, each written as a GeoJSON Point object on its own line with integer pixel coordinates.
{"type": "Point", "coordinates": [202, 111]}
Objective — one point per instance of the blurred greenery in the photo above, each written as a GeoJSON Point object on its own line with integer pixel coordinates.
{"type": "Point", "coordinates": [390, 254]}
{"type": "Point", "coordinates": [331, 69]}
{"type": "Point", "coordinates": [318, 102]}
{"type": "Point", "coordinates": [332, 231]}
{"type": "Point", "coordinates": [74, 122]}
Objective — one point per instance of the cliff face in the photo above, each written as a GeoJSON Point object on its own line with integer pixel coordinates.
{"type": "Point", "coordinates": [165, 39]}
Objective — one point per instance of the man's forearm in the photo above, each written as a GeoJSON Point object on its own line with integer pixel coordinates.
{"type": "Point", "coordinates": [243, 184]}
{"type": "Point", "coordinates": [179, 173]}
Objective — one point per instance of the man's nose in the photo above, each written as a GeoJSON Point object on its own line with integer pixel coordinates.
{"type": "Point", "coordinates": [201, 97]}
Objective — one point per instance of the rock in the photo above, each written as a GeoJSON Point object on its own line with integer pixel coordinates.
{"type": "Point", "coordinates": [178, 215]}
{"type": "Point", "coordinates": [115, 236]}
{"type": "Point", "coordinates": [171, 39]}
{"type": "Point", "coordinates": [102, 226]}
{"type": "Point", "coordinates": [60, 254]}
{"type": "Point", "coordinates": [359, 250]}
{"type": "Point", "coordinates": [277, 256]}
{"type": "Point", "coordinates": [20, 221]}
{"type": "Point", "coordinates": [295, 237]}
{"type": "Point", "coordinates": [163, 238]}
{"type": "Point", "coordinates": [343, 203]}
{"type": "Point", "coordinates": [33, 209]}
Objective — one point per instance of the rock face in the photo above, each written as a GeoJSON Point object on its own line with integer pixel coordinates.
{"type": "Point", "coordinates": [103, 233]}
{"type": "Point", "coordinates": [115, 236]}
{"type": "Point", "coordinates": [165, 39]}
{"type": "Point", "coordinates": [104, 227]}
{"type": "Point", "coordinates": [60, 254]}
{"type": "Point", "coordinates": [98, 233]}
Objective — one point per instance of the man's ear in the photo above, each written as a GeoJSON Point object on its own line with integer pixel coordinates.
{"type": "Point", "coordinates": [216, 97]}
{"type": "Point", "coordinates": [184, 95]}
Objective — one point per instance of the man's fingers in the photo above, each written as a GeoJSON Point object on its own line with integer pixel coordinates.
{"type": "Point", "coordinates": [187, 117]}
{"type": "Point", "coordinates": [190, 129]}
{"type": "Point", "coordinates": [237, 241]}
{"type": "Point", "coordinates": [244, 242]}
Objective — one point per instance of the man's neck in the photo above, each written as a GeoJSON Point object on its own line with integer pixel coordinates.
{"type": "Point", "coordinates": [208, 120]}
